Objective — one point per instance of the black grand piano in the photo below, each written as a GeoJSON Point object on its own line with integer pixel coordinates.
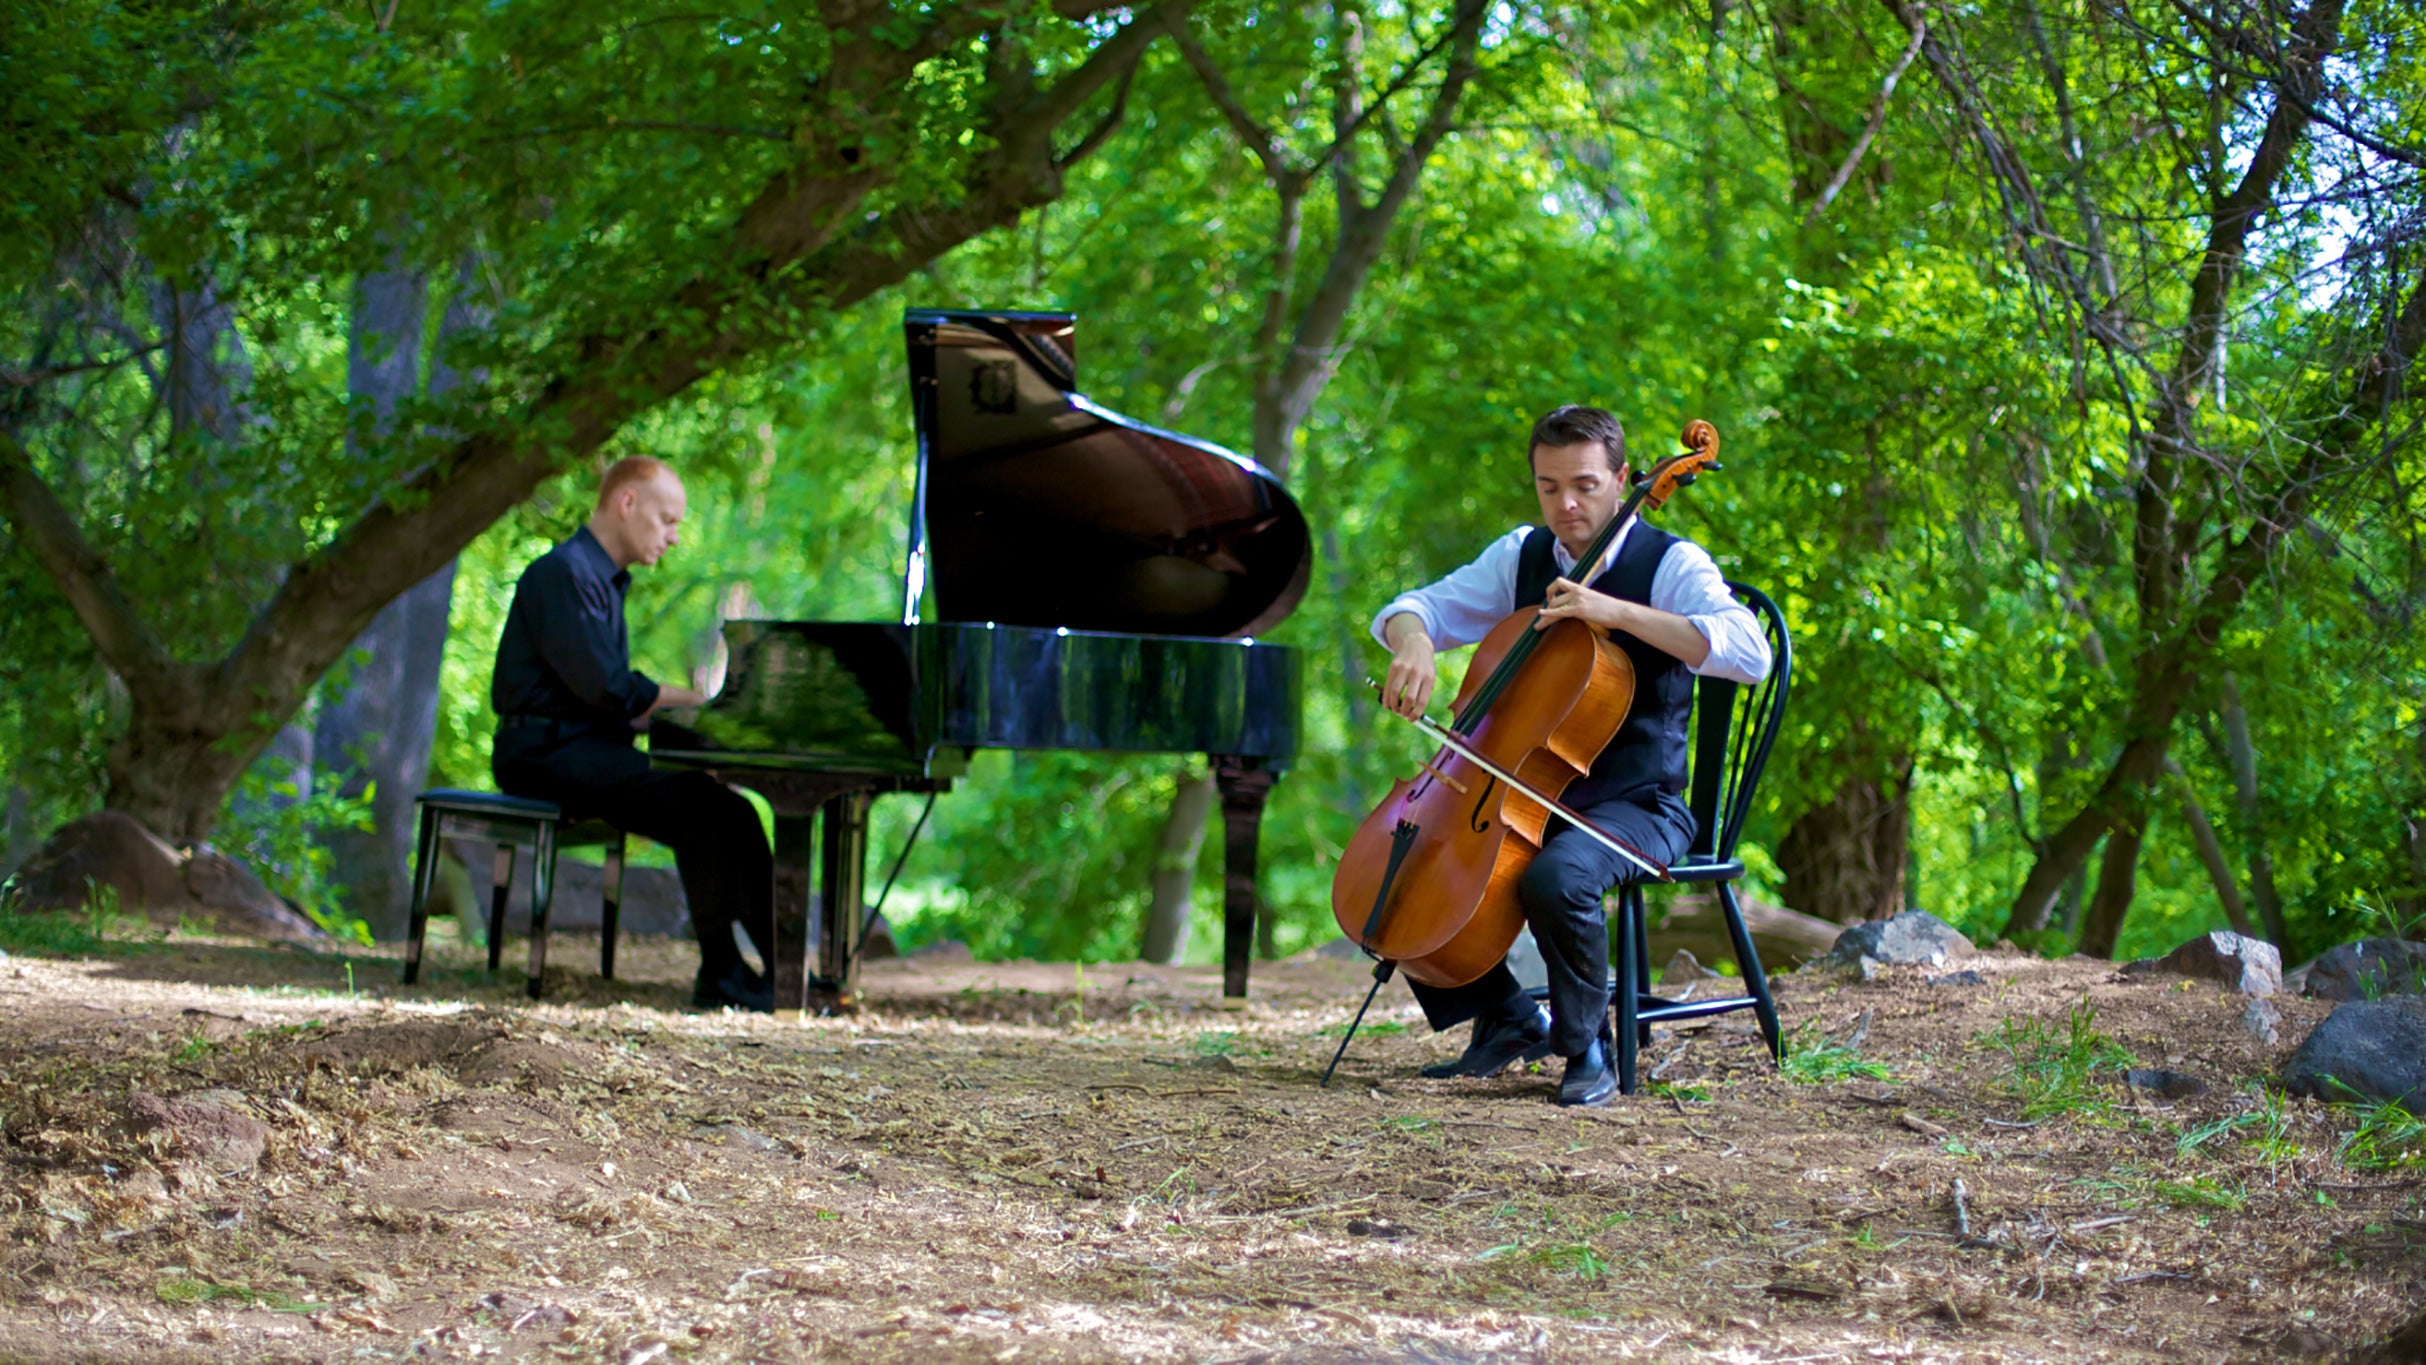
{"type": "Point", "coordinates": [1075, 579]}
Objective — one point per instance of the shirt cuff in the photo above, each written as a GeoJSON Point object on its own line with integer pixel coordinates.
{"type": "Point", "coordinates": [646, 693]}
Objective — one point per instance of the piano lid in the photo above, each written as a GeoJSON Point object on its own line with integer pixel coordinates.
{"type": "Point", "coordinates": [1038, 507]}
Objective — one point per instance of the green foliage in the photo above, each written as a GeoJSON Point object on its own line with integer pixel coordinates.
{"type": "Point", "coordinates": [2052, 1068]}
{"type": "Point", "coordinates": [279, 833]}
{"type": "Point", "coordinates": [1811, 1059]}
{"type": "Point", "coordinates": [1925, 463]}
{"type": "Point", "coordinates": [2384, 1135]}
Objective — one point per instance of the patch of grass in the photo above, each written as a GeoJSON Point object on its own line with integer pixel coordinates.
{"type": "Point", "coordinates": [1570, 1258]}
{"type": "Point", "coordinates": [2056, 1069]}
{"type": "Point", "coordinates": [1813, 1060]}
{"type": "Point", "coordinates": [1217, 1043]}
{"type": "Point", "coordinates": [179, 1291]}
{"type": "Point", "coordinates": [1677, 1090]}
{"type": "Point", "coordinates": [51, 933]}
{"type": "Point", "coordinates": [2199, 1192]}
{"type": "Point", "coordinates": [2386, 1136]}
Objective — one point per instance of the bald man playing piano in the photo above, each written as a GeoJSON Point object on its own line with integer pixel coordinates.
{"type": "Point", "coordinates": [1664, 602]}
{"type": "Point", "coordinates": [569, 705]}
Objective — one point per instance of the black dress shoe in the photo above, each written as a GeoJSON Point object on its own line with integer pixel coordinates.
{"type": "Point", "coordinates": [1590, 1080]}
{"type": "Point", "coordinates": [1496, 1044]}
{"type": "Point", "coordinates": [740, 989]}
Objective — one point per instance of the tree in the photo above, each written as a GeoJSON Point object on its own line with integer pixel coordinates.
{"type": "Point", "coordinates": [662, 194]}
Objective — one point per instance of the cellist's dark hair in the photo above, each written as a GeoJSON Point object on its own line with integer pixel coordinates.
{"type": "Point", "coordinates": [1575, 425]}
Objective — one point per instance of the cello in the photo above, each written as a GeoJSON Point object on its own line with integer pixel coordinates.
{"type": "Point", "coordinates": [1428, 883]}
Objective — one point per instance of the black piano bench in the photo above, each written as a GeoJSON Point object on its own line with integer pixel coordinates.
{"type": "Point", "coordinates": [512, 823]}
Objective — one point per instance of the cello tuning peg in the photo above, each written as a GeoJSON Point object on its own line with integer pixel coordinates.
{"type": "Point", "coordinates": [1686, 480]}
{"type": "Point", "coordinates": [1640, 476]}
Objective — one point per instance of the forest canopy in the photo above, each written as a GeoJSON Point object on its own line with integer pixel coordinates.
{"type": "Point", "coordinates": [2061, 352]}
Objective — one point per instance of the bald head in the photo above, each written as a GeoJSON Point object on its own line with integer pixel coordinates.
{"type": "Point", "coordinates": [639, 512]}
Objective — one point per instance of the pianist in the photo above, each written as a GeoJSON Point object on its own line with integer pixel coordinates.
{"type": "Point", "coordinates": [1665, 604]}
{"type": "Point", "coordinates": [569, 704]}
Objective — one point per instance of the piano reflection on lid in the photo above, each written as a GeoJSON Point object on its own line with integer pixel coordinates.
{"type": "Point", "coordinates": [1075, 579]}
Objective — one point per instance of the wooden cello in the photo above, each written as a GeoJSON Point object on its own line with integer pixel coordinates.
{"type": "Point", "coordinates": [1428, 883]}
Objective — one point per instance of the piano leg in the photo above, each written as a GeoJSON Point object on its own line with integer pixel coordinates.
{"type": "Point", "coordinates": [1244, 784]}
{"type": "Point", "coordinates": [842, 864]}
{"type": "Point", "coordinates": [788, 955]}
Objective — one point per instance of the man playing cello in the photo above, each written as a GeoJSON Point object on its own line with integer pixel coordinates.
{"type": "Point", "coordinates": [1664, 602]}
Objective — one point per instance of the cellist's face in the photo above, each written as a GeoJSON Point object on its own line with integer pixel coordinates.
{"type": "Point", "coordinates": [1579, 491]}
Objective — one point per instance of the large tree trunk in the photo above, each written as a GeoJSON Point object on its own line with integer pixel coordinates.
{"type": "Point", "coordinates": [374, 735]}
{"type": "Point", "coordinates": [18, 838]}
{"type": "Point", "coordinates": [2117, 878]}
{"type": "Point", "coordinates": [2243, 757]}
{"type": "Point", "coordinates": [1845, 859]}
{"type": "Point", "coordinates": [2211, 852]}
{"type": "Point", "coordinates": [1183, 837]}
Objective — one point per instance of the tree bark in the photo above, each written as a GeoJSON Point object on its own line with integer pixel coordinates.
{"type": "Point", "coordinates": [192, 727]}
{"type": "Point", "coordinates": [2117, 876]}
{"type": "Point", "coordinates": [2244, 760]}
{"type": "Point", "coordinates": [1183, 838]}
{"type": "Point", "coordinates": [364, 739]}
{"type": "Point", "coordinates": [1845, 859]}
{"type": "Point", "coordinates": [18, 838]}
{"type": "Point", "coordinates": [2211, 851]}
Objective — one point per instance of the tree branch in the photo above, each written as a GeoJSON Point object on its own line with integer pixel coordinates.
{"type": "Point", "coordinates": [1877, 120]}
{"type": "Point", "coordinates": [82, 574]}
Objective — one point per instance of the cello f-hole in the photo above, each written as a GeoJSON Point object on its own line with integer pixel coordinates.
{"type": "Point", "coordinates": [1478, 822]}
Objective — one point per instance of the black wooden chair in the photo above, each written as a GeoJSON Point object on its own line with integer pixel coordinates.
{"type": "Point", "coordinates": [512, 823]}
{"type": "Point", "coordinates": [1733, 729]}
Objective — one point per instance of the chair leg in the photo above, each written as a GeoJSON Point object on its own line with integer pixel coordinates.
{"type": "Point", "coordinates": [543, 890]}
{"type": "Point", "coordinates": [501, 881]}
{"type": "Point", "coordinates": [1642, 951]}
{"type": "Point", "coordinates": [1756, 981]}
{"type": "Point", "coordinates": [610, 911]}
{"type": "Point", "coordinates": [1629, 1002]}
{"type": "Point", "coordinates": [425, 870]}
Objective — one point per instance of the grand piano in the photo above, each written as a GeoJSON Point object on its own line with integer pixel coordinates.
{"type": "Point", "coordinates": [1075, 579]}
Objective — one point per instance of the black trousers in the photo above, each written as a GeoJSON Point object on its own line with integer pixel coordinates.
{"type": "Point", "coordinates": [1561, 894]}
{"type": "Point", "coordinates": [728, 875]}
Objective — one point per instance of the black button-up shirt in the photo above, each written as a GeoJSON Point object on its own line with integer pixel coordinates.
{"type": "Point", "coordinates": [564, 654]}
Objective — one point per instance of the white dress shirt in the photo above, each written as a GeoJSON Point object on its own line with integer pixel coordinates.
{"type": "Point", "coordinates": [1461, 608]}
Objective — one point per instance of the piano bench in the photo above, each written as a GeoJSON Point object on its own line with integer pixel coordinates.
{"type": "Point", "coordinates": [511, 823]}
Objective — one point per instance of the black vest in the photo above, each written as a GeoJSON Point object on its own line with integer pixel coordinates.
{"type": "Point", "coordinates": [1649, 751]}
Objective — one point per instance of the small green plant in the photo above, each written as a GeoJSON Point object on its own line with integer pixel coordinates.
{"type": "Point", "coordinates": [281, 834]}
{"type": "Point", "coordinates": [2056, 1070]}
{"type": "Point", "coordinates": [1812, 1059]}
{"type": "Point", "coordinates": [1217, 1043]}
{"type": "Point", "coordinates": [2386, 1136]}
{"type": "Point", "coordinates": [1578, 1259]}
{"type": "Point", "coordinates": [1678, 1090]}
{"type": "Point", "coordinates": [101, 908]}
{"type": "Point", "coordinates": [2200, 1192]}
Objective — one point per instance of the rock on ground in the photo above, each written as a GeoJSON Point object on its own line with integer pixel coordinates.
{"type": "Point", "coordinates": [1913, 938]}
{"type": "Point", "coordinates": [2366, 970]}
{"type": "Point", "coordinates": [2251, 966]}
{"type": "Point", "coordinates": [2377, 1048]}
{"type": "Point", "coordinates": [153, 879]}
{"type": "Point", "coordinates": [2262, 1021]}
{"type": "Point", "coordinates": [1684, 967]}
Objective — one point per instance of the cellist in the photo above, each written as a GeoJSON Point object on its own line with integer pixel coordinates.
{"type": "Point", "coordinates": [1664, 602]}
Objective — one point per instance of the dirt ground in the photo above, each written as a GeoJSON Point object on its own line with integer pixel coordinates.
{"type": "Point", "coordinates": [1047, 1163]}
